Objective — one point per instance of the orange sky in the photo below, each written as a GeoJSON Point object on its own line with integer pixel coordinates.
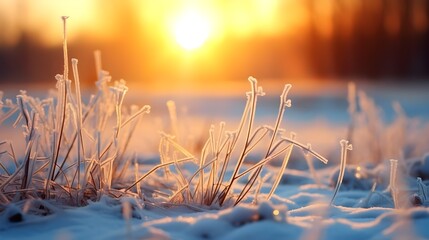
{"type": "Point", "coordinates": [200, 43]}
{"type": "Point", "coordinates": [99, 18]}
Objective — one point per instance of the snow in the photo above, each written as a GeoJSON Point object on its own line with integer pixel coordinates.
{"type": "Point", "coordinates": [299, 209]}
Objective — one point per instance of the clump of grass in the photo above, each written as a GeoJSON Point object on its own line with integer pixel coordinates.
{"type": "Point", "coordinates": [375, 139]}
{"type": "Point", "coordinates": [212, 183]}
{"type": "Point", "coordinates": [75, 151]}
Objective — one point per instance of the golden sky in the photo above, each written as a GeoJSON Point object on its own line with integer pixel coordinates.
{"type": "Point", "coordinates": [204, 41]}
{"type": "Point", "coordinates": [100, 19]}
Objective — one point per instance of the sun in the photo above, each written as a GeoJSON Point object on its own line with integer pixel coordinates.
{"type": "Point", "coordinates": [191, 29]}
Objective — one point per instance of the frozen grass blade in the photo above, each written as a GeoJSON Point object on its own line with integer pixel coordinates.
{"type": "Point", "coordinates": [25, 177]}
{"type": "Point", "coordinates": [263, 162]}
{"type": "Point", "coordinates": [9, 154]}
{"type": "Point", "coordinates": [8, 114]}
{"type": "Point", "coordinates": [15, 174]}
{"type": "Point", "coordinates": [7, 105]}
{"type": "Point", "coordinates": [136, 175]}
{"type": "Point", "coordinates": [66, 58]}
{"type": "Point", "coordinates": [370, 194]}
{"type": "Point", "coordinates": [306, 148]}
{"type": "Point", "coordinates": [351, 97]}
{"type": "Point", "coordinates": [154, 169]}
{"type": "Point", "coordinates": [282, 169]}
{"type": "Point", "coordinates": [345, 146]}
{"type": "Point", "coordinates": [80, 152]}
{"type": "Point", "coordinates": [143, 110]}
{"type": "Point", "coordinates": [119, 92]}
{"type": "Point", "coordinates": [61, 108]}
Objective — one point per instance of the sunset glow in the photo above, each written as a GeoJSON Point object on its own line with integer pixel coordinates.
{"type": "Point", "coordinates": [191, 30]}
{"type": "Point", "coordinates": [204, 43]}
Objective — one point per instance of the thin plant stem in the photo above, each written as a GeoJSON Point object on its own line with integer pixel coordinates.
{"type": "Point", "coordinates": [78, 119]}
{"type": "Point", "coordinates": [281, 171]}
{"type": "Point", "coordinates": [284, 102]}
{"type": "Point", "coordinates": [345, 146]}
{"type": "Point", "coordinates": [253, 96]}
{"type": "Point", "coordinates": [63, 96]}
{"type": "Point", "coordinates": [154, 169]}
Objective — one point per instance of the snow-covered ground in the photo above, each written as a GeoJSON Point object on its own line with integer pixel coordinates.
{"type": "Point", "coordinates": [300, 207]}
{"type": "Point", "coordinates": [299, 210]}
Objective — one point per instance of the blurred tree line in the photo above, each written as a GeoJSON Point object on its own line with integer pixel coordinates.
{"type": "Point", "coordinates": [370, 38]}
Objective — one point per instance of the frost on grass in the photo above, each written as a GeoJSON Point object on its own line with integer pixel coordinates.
{"type": "Point", "coordinates": [223, 160]}
{"type": "Point", "coordinates": [75, 151]}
